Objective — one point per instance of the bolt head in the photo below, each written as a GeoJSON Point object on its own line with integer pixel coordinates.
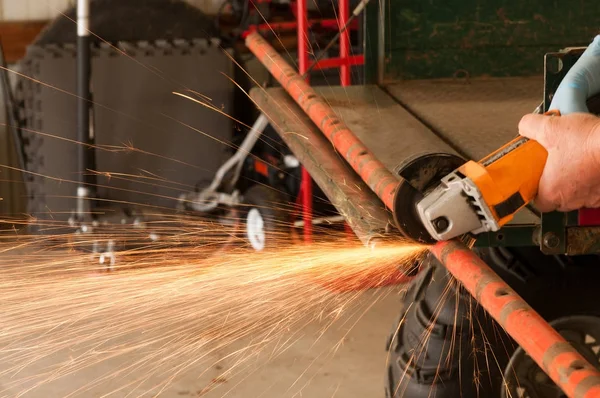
{"type": "Point", "coordinates": [441, 224]}
{"type": "Point", "coordinates": [551, 240]}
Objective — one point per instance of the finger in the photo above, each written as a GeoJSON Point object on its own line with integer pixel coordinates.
{"type": "Point", "coordinates": [543, 201]}
{"type": "Point", "coordinates": [535, 127]}
{"type": "Point", "coordinates": [543, 205]}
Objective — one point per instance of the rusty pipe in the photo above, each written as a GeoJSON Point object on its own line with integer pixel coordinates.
{"type": "Point", "coordinates": [381, 181]}
{"type": "Point", "coordinates": [561, 362]}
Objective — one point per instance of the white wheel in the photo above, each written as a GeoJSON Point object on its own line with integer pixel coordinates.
{"type": "Point", "coordinates": [255, 229]}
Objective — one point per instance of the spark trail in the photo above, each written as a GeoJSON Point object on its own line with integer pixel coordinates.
{"type": "Point", "coordinates": [164, 320]}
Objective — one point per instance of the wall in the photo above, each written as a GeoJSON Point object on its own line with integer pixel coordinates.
{"type": "Point", "coordinates": [20, 10]}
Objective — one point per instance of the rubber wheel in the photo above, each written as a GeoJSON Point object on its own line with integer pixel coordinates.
{"type": "Point", "coordinates": [265, 217]}
{"type": "Point", "coordinates": [445, 345]}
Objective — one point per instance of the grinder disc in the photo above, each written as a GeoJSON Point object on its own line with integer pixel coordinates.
{"type": "Point", "coordinates": [420, 176]}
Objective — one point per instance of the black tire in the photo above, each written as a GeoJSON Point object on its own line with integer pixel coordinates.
{"type": "Point", "coordinates": [466, 353]}
{"type": "Point", "coordinates": [272, 206]}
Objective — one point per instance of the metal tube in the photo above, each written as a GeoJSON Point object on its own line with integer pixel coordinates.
{"type": "Point", "coordinates": [85, 154]}
{"type": "Point", "coordinates": [303, 62]}
{"type": "Point", "coordinates": [237, 160]}
{"type": "Point", "coordinates": [307, 209]}
{"type": "Point", "coordinates": [365, 164]}
{"type": "Point", "coordinates": [561, 362]}
{"type": "Point", "coordinates": [303, 66]}
{"type": "Point", "coordinates": [347, 192]}
{"type": "Point", "coordinates": [344, 14]}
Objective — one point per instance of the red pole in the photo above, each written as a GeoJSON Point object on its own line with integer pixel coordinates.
{"type": "Point", "coordinates": [303, 65]}
{"type": "Point", "coordinates": [306, 192]}
{"type": "Point", "coordinates": [344, 11]}
{"type": "Point", "coordinates": [381, 181]}
{"type": "Point", "coordinates": [563, 364]}
{"type": "Point", "coordinates": [303, 62]}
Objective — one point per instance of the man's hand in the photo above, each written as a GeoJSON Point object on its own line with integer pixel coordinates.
{"type": "Point", "coordinates": [571, 178]}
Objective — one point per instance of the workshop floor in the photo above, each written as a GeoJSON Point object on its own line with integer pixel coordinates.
{"type": "Point", "coordinates": [312, 367]}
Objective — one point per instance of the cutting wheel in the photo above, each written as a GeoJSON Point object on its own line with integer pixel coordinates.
{"type": "Point", "coordinates": [419, 177]}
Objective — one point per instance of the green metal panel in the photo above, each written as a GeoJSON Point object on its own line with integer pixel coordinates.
{"type": "Point", "coordinates": [435, 38]}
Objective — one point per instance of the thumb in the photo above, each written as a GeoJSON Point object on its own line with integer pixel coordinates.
{"type": "Point", "coordinates": [536, 127]}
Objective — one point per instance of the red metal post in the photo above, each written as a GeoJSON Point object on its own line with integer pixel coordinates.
{"type": "Point", "coordinates": [563, 364]}
{"type": "Point", "coordinates": [303, 65]}
{"type": "Point", "coordinates": [337, 62]}
{"type": "Point", "coordinates": [381, 181]}
{"type": "Point", "coordinates": [307, 211]}
{"type": "Point", "coordinates": [344, 15]}
{"type": "Point", "coordinates": [303, 61]}
{"type": "Point", "coordinates": [330, 24]}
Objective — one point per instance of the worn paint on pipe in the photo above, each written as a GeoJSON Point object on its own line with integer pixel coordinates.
{"type": "Point", "coordinates": [561, 362]}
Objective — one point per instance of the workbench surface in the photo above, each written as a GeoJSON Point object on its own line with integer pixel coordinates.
{"type": "Point", "coordinates": [477, 117]}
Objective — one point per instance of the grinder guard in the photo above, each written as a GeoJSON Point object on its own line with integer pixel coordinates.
{"type": "Point", "coordinates": [420, 176]}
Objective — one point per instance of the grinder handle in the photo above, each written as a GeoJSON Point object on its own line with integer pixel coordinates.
{"type": "Point", "coordinates": [508, 178]}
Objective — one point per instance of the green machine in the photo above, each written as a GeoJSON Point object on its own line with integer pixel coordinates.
{"type": "Point", "coordinates": [410, 39]}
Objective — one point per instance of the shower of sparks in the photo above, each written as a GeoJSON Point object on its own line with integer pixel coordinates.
{"type": "Point", "coordinates": [169, 306]}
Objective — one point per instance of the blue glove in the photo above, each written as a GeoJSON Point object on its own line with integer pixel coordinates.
{"type": "Point", "coordinates": [581, 82]}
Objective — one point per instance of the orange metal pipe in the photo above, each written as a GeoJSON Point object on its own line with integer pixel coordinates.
{"type": "Point", "coordinates": [563, 364]}
{"type": "Point", "coordinates": [367, 166]}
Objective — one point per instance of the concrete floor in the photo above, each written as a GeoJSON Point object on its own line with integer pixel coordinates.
{"type": "Point", "coordinates": [306, 369]}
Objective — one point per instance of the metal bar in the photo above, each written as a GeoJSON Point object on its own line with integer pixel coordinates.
{"type": "Point", "coordinates": [307, 209]}
{"type": "Point", "coordinates": [303, 66]}
{"type": "Point", "coordinates": [510, 236]}
{"type": "Point", "coordinates": [337, 62]}
{"type": "Point", "coordinates": [322, 220]}
{"type": "Point", "coordinates": [302, 31]}
{"type": "Point", "coordinates": [561, 362]}
{"type": "Point", "coordinates": [379, 179]}
{"type": "Point", "coordinates": [86, 155]}
{"type": "Point", "coordinates": [287, 26]}
{"type": "Point", "coordinates": [344, 14]}
{"type": "Point", "coordinates": [359, 205]}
